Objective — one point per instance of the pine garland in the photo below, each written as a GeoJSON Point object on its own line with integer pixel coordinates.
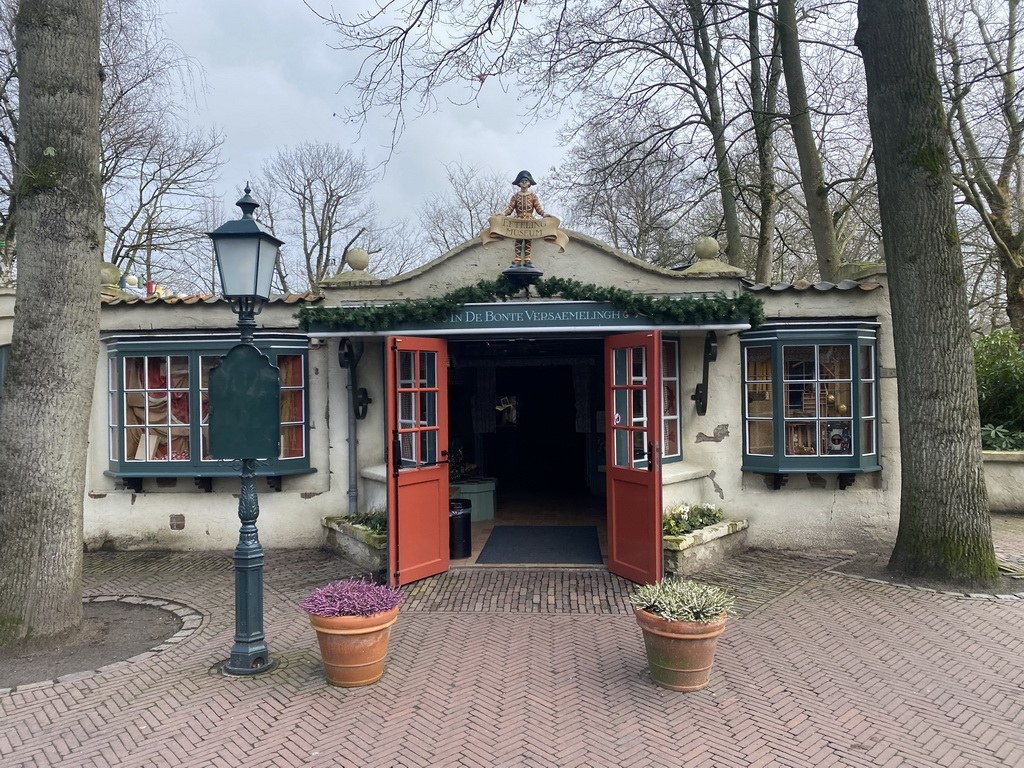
{"type": "Point", "coordinates": [683, 310]}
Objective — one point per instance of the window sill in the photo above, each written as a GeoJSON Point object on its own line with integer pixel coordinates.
{"type": "Point", "coordinates": [681, 471]}
{"type": "Point", "coordinates": [804, 469]}
{"type": "Point", "coordinates": [208, 472]}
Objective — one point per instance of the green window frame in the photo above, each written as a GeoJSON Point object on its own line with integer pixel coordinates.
{"type": "Point", "coordinates": [158, 405]}
{"type": "Point", "coordinates": [810, 398]}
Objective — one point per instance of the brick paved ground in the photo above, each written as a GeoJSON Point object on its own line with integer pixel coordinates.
{"type": "Point", "coordinates": [528, 667]}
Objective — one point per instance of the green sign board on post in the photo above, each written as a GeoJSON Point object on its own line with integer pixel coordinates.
{"type": "Point", "coordinates": [245, 406]}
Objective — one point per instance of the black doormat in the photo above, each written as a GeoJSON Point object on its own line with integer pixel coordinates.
{"type": "Point", "coordinates": [563, 544]}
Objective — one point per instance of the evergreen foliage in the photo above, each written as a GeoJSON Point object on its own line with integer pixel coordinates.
{"type": "Point", "coordinates": [999, 364]}
{"type": "Point", "coordinates": [688, 310]}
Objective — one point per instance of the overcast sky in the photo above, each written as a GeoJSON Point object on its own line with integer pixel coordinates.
{"type": "Point", "coordinates": [273, 81]}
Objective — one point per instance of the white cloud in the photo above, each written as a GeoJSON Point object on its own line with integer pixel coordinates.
{"type": "Point", "coordinates": [273, 80]}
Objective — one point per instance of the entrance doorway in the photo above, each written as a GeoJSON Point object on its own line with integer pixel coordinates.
{"type": "Point", "coordinates": [528, 415]}
{"type": "Point", "coordinates": [540, 474]}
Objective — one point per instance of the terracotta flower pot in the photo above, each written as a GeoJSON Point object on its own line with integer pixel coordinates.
{"type": "Point", "coordinates": [353, 648]}
{"type": "Point", "coordinates": [679, 653]}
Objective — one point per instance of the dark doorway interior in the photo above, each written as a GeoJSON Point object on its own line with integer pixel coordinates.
{"type": "Point", "coordinates": [540, 447]}
{"type": "Point", "coordinates": [538, 403]}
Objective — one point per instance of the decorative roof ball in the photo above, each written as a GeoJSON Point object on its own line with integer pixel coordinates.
{"type": "Point", "coordinates": [357, 258]}
{"type": "Point", "coordinates": [109, 274]}
{"type": "Point", "coordinates": [132, 280]}
{"type": "Point", "coordinates": [706, 248]}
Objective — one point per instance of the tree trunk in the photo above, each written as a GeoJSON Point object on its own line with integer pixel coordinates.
{"type": "Point", "coordinates": [1015, 291]}
{"type": "Point", "coordinates": [44, 414]}
{"type": "Point", "coordinates": [709, 56]}
{"type": "Point", "coordinates": [812, 177]}
{"type": "Point", "coordinates": [763, 97]}
{"type": "Point", "coordinates": [944, 530]}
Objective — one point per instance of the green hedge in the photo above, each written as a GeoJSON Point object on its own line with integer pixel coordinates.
{"type": "Point", "coordinates": [999, 364]}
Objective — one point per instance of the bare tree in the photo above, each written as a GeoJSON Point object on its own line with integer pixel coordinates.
{"type": "Point", "coordinates": [944, 529]}
{"type": "Point", "coordinates": [321, 205]}
{"type": "Point", "coordinates": [47, 398]}
{"type": "Point", "coordinates": [397, 248]}
{"type": "Point", "coordinates": [812, 177]}
{"type": "Point", "coordinates": [978, 46]}
{"type": "Point", "coordinates": [459, 215]}
{"type": "Point", "coordinates": [151, 161]}
{"type": "Point", "coordinates": [652, 63]}
{"type": "Point", "coordinates": [648, 213]}
{"type": "Point", "coordinates": [156, 205]}
{"type": "Point", "coordinates": [764, 92]}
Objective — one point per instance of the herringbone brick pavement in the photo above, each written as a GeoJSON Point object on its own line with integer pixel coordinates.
{"type": "Point", "coordinates": [818, 670]}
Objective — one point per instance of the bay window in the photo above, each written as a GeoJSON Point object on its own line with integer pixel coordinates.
{"type": "Point", "coordinates": [158, 405]}
{"type": "Point", "coordinates": [810, 398]}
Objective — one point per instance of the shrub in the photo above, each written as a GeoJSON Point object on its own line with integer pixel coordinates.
{"type": "Point", "coordinates": [682, 600]}
{"type": "Point", "coordinates": [999, 364]}
{"type": "Point", "coordinates": [999, 438]}
{"type": "Point", "coordinates": [685, 518]}
{"type": "Point", "coordinates": [352, 597]}
{"type": "Point", "coordinates": [376, 521]}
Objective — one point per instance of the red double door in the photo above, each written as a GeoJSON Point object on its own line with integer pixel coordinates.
{"type": "Point", "coordinates": [417, 380]}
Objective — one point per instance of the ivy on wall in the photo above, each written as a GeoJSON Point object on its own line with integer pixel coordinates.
{"type": "Point", "coordinates": [680, 310]}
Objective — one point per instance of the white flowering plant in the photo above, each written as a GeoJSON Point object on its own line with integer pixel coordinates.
{"type": "Point", "coordinates": [683, 600]}
{"type": "Point", "coordinates": [686, 518]}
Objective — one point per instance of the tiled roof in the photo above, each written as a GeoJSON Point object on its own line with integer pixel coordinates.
{"type": "Point", "coordinates": [205, 298]}
{"type": "Point", "coordinates": [806, 285]}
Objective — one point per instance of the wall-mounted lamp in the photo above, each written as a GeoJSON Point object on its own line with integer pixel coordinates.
{"type": "Point", "coordinates": [700, 394]}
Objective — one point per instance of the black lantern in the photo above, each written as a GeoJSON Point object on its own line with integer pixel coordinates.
{"type": "Point", "coordinates": [246, 256]}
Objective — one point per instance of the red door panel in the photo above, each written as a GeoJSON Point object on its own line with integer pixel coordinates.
{"type": "Point", "coordinates": [417, 380]}
{"type": "Point", "coordinates": [633, 458]}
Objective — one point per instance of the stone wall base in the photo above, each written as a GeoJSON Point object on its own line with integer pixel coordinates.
{"type": "Point", "coordinates": [359, 546]}
{"type": "Point", "coordinates": [686, 555]}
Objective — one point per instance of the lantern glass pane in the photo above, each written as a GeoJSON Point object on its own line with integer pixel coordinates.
{"type": "Point", "coordinates": [265, 273]}
{"type": "Point", "coordinates": [236, 258]}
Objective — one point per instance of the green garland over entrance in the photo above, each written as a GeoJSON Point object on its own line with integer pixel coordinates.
{"type": "Point", "coordinates": [682, 310]}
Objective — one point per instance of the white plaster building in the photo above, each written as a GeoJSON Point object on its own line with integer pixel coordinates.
{"type": "Point", "coordinates": [547, 395]}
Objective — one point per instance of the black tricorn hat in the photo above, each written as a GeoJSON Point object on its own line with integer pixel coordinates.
{"type": "Point", "coordinates": [524, 175]}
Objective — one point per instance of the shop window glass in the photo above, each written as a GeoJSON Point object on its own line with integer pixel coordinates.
{"type": "Point", "coordinates": [670, 419]}
{"type": "Point", "coordinates": [827, 417]}
{"type": "Point", "coordinates": [158, 407]}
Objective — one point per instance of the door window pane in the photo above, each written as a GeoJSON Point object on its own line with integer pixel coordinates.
{"type": "Point", "coordinates": [622, 456]}
{"type": "Point", "coordinates": [428, 446]}
{"type": "Point", "coordinates": [639, 367]}
{"type": "Point", "coordinates": [620, 369]}
{"type": "Point", "coordinates": [428, 369]}
{"type": "Point", "coordinates": [428, 409]}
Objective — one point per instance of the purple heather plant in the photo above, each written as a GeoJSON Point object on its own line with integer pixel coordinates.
{"type": "Point", "coordinates": [352, 597]}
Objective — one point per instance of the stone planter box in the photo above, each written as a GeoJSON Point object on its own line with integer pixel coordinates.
{"type": "Point", "coordinates": [685, 555]}
{"type": "Point", "coordinates": [1004, 478]}
{"type": "Point", "coordinates": [356, 544]}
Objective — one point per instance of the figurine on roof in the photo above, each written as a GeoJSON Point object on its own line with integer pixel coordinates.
{"type": "Point", "coordinates": [521, 208]}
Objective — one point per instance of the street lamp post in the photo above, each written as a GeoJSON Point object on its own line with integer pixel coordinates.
{"type": "Point", "coordinates": [245, 417]}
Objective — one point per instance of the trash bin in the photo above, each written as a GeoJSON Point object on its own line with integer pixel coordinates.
{"type": "Point", "coordinates": [460, 515]}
